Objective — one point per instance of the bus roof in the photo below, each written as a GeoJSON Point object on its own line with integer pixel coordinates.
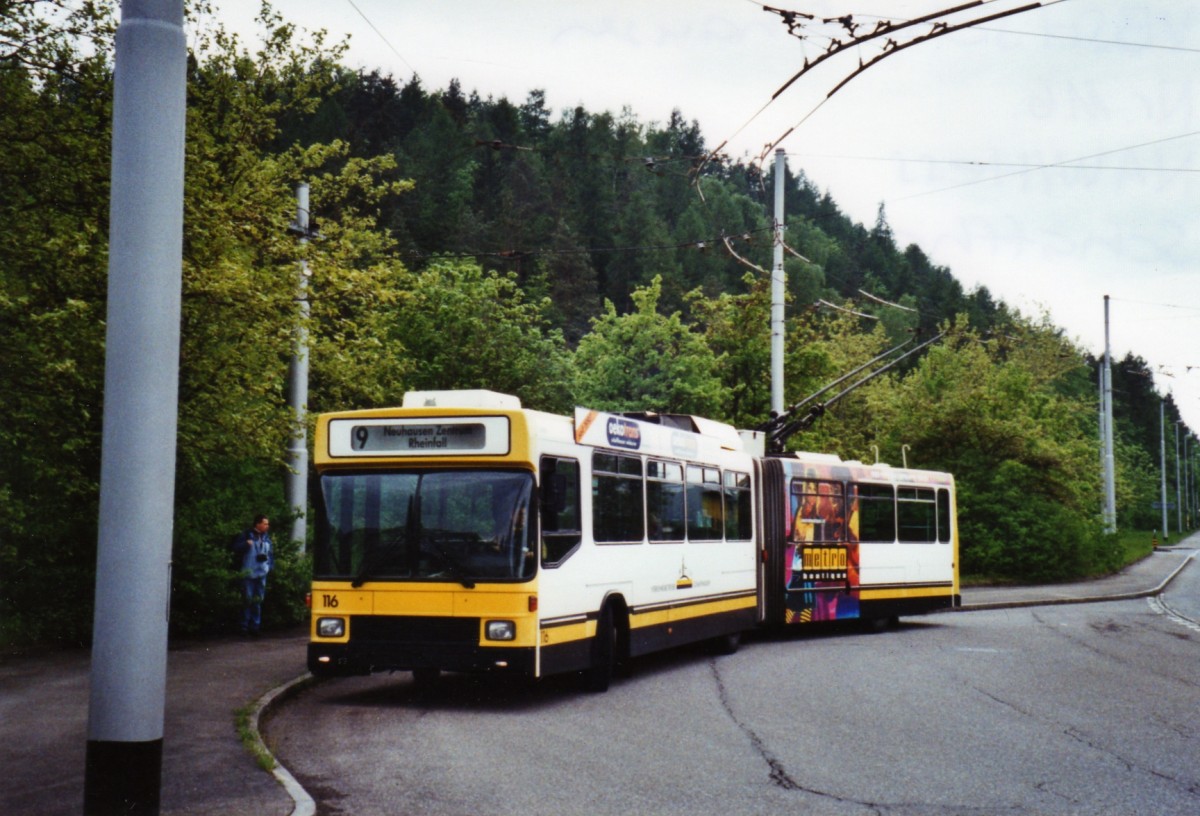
{"type": "Point", "coordinates": [467, 398]}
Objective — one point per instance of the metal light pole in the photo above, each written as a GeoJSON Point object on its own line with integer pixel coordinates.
{"type": "Point", "coordinates": [123, 772]}
{"type": "Point", "coordinates": [297, 477]}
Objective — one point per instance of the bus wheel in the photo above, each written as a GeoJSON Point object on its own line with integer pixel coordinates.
{"type": "Point", "coordinates": [875, 625]}
{"type": "Point", "coordinates": [727, 644]}
{"type": "Point", "coordinates": [598, 676]}
{"type": "Point", "coordinates": [426, 677]}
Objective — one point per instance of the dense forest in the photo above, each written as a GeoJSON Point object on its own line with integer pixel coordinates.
{"type": "Point", "coordinates": [568, 257]}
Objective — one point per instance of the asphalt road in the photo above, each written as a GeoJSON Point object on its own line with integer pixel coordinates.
{"type": "Point", "coordinates": [1088, 709]}
{"type": "Point", "coordinates": [1182, 600]}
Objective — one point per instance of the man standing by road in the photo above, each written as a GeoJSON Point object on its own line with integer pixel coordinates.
{"type": "Point", "coordinates": [257, 558]}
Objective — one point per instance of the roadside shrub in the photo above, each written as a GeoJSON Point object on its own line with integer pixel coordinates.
{"type": "Point", "coordinates": [1009, 529]}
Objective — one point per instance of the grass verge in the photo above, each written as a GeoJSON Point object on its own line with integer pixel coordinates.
{"type": "Point", "coordinates": [244, 719]}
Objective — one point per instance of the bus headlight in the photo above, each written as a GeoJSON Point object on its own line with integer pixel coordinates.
{"type": "Point", "coordinates": [501, 630]}
{"type": "Point", "coordinates": [331, 627]}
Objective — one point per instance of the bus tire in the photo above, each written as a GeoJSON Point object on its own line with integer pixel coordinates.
{"type": "Point", "coordinates": [727, 644]}
{"type": "Point", "coordinates": [882, 624]}
{"type": "Point", "coordinates": [425, 677]}
{"type": "Point", "coordinates": [598, 676]}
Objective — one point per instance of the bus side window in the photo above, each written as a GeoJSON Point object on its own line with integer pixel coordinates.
{"type": "Point", "coordinates": [818, 511]}
{"type": "Point", "coordinates": [559, 503]}
{"type": "Point", "coordinates": [876, 512]}
{"type": "Point", "coordinates": [704, 512]}
{"type": "Point", "coordinates": [618, 499]}
{"type": "Point", "coordinates": [916, 515]}
{"type": "Point", "coordinates": [943, 515]}
{"type": "Point", "coordinates": [665, 501]}
{"type": "Point", "coordinates": [739, 512]}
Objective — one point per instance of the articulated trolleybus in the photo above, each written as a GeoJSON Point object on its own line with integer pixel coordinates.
{"type": "Point", "coordinates": [462, 532]}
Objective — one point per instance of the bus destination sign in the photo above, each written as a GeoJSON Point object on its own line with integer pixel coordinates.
{"type": "Point", "coordinates": [421, 437]}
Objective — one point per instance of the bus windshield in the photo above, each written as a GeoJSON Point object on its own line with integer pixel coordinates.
{"type": "Point", "coordinates": [459, 525]}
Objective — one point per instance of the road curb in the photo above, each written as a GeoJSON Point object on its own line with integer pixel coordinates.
{"type": "Point", "coordinates": [302, 803]}
{"type": "Point", "coordinates": [1121, 596]}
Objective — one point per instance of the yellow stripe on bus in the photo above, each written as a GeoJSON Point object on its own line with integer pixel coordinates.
{"type": "Point", "coordinates": [905, 592]}
{"type": "Point", "coordinates": [557, 635]}
{"type": "Point", "coordinates": [655, 617]}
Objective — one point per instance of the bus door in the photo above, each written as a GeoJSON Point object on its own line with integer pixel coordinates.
{"type": "Point", "coordinates": [821, 559]}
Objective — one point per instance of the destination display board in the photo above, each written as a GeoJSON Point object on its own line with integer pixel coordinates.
{"type": "Point", "coordinates": [479, 436]}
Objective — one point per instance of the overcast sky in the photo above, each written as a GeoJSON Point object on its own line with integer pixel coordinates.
{"type": "Point", "coordinates": [1052, 156]}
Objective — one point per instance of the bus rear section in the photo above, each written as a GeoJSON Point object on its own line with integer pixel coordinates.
{"type": "Point", "coordinates": [849, 541]}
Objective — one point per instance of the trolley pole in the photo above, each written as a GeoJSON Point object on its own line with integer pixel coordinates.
{"type": "Point", "coordinates": [777, 290]}
{"type": "Point", "coordinates": [123, 770]}
{"type": "Point", "coordinates": [1110, 481]}
{"type": "Point", "coordinates": [297, 477]}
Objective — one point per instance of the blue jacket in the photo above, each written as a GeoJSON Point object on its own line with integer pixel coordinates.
{"type": "Point", "coordinates": [260, 545]}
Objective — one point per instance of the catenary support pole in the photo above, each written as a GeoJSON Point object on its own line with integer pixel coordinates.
{"type": "Point", "coordinates": [778, 289]}
{"type": "Point", "coordinates": [1103, 437]}
{"type": "Point", "coordinates": [297, 477]}
{"type": "Point", "coordinates": [1110, 479]}
{"type": "Point", "coordinates": [141, 382]}
{"type": "Point", "coordinates": [1191, 481]}
{"type": "Point", "coordinates": [1195, 509]}
{"type": "Point", "coordinates": [1100, 423]}
{"type": "Point", "coordinates": [1187, 483]}
{"type": "Point", "coordinates": [1178, 483]}
{"type": "Point", "coordinates": [1162, 463]}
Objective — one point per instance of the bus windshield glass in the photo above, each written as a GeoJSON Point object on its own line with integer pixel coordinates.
{"type": "Point", "coordinates": [458, 525]}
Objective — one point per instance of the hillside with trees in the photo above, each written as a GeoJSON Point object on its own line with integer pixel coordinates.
{"type": "Point", "coordinates": [568, 257]}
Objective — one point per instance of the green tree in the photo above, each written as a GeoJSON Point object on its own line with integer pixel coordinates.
{"type": "Point", "coordinates": [646, 361]}
{"type": "Point", "coordinates": [240, 312]}
{"type": "Point", "coordinates": [468, 328]}
{"type": "Point", "coordinates": [55, 84]}
{"type": "Point", "coordinates": [1138, 487]}
{"type": "Point", "coordinates": [1023, 454]}
{"type": "Point", "coordinates": [824, 345]}
{"type": "Point", "coordinates": [737, 328]}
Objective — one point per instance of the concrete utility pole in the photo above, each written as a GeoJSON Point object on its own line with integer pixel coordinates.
{"type": "Point", "coordinates": [777, 289]}
{"type": "Point", "coordinates": [1187, 480]}
{"type": "Point", "coordinates": [1162, 463]}
{"type": "Point", "coordinates": [141, 383]}
{"type": "Point", "coordinates": [1110, 481]}
{"type": "Point", "coordinates": [1178, 483]}
{"type": "Point", "coordinates": [1101, 424]}
{"type": "Point", "coordinates": [297, 478]}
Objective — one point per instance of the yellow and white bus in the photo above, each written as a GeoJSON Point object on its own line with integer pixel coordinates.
{"type": "Point", "coordinates": [463, 532]}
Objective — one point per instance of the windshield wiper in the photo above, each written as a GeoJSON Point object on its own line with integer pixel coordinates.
{"type": "Point", "coordinates": [452, 566]}
{"type": "Point", "coordinates": [376, 558]}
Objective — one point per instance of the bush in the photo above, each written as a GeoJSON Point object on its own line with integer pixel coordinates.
{"type": "Point", "coordinates": [206, 591]}
{"type": "Point", "coordinates": [1010, 530]}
